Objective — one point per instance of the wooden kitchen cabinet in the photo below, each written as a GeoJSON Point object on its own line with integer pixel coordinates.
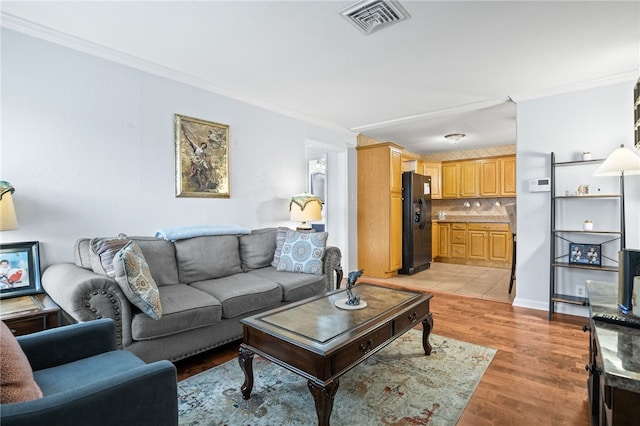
{"type": "Point", "coordinates": [435, 240]}
{"type": "Point", "coordinates": [489, 173]}
{"type": "Point", "coordinates": [434, 170]}
{"type": "Point", "coordinates": [480, 244]}
{"type": "Point", "coordinates": [450, 180]}
{"type": "Point", "coordinates": [444, 240]}
{"type": "Point", "coordinates": [484, 177]}
{"type": "Point", "coordinates": [468, 183]}
{"type": "Point", "coordinates": [380, 209]}
{"type": "Point", "coordinates": [507, 167]}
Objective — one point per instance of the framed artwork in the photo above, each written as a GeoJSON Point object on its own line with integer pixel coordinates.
{"type": "Point", "coordinates": [202, 158]}
{"type": "Point", "coordinates": [19, 269]}
{"type": "Point", "coordinates": [585, 254]}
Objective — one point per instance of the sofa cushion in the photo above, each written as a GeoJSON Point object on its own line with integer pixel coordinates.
{"type": "Point", "coordinates": [184, 308]}
{"type": "Point", "coordinates": [134, 278]}
{"type": "Point", "coordinates": [295, 286]}
{"type": "Point", "coordinates": [281, 233]}
{"type": "Point", "coordinates": [161, 257]}
{"type": "Point", "coordinates": [302, 252]}
{"type": "Point", "coordinates": [257, 249]}
{"type": "Point", "coordinates": [102, 251]}
{"type": "Point", "coordinates": [16, 377]}
{"type": "Point", "coordinates": [241, 293]}
{"type": "Point", "coordinates": [204, 258]}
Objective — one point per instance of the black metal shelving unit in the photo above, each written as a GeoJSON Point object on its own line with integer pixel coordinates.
{"type": "Point", "coordinates": [557, 258]}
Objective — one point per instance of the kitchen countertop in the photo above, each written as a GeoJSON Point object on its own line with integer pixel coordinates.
{"type": "Point", "coordinates": [619, 345]}
{"type": "Point", "coordinates": [472, 218]}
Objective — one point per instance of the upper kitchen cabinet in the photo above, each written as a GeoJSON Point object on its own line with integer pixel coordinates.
{"type": "Point", "coordinates": [484, 177]}
{"type": "Point", "coordinates": [434, 170]}
{"type": "Point", "coordinates": [507, 176]}
{"type": "Point", "coordinates": [450, 171]}
{"type": "Point", "coordinates": [380, 209]}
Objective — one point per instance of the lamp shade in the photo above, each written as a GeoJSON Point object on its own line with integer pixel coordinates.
{"type": "Point", "coordinates": [620, 161]}
{"type": "Point", "coordinates": [8, 219]}
{"type": "Point", "coordinates": [305, 208]}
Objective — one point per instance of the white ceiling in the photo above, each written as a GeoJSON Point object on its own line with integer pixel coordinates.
{"type": "Point", "coordinates": [451, 67]}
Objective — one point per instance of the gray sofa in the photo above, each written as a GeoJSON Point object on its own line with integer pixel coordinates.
{"type": "Point", "coordinates": [206, 285]}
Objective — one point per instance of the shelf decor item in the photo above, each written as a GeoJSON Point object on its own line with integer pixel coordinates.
{"type": "Point", "coordinates": [19, 269]}
{"type": "Point", "coordinates": [585, 254]}
{"type": "Point", "coordinates": [202, 158]}
{"type": "Point", "coordinates": [587, 225]}
{"type": "Point", "coordinates": [586, 156]}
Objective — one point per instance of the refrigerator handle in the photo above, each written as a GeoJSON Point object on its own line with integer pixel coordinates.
{"type": "Point", "coordinates": [422, 220]}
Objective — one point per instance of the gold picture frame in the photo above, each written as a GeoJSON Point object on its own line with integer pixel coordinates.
{"type": "Point", "coordinates": [202, 158]}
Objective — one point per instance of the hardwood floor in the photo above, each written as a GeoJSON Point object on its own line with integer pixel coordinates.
{"type": "Point", "coordinates": [536, 378]}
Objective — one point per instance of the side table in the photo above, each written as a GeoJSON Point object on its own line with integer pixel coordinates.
{"type": "Point", "coordinates": [28, 314]}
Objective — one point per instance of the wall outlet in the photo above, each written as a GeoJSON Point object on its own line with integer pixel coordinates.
{"type": "Point", "coordinates": [581, 290]}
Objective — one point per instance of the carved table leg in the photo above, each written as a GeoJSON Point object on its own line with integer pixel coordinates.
{"type": "Point", "coordinates": [427, 325]}
{"type": "Point", "coordinates": [323, 397]}
{"type": "Point", "coordinates": [245, 358]}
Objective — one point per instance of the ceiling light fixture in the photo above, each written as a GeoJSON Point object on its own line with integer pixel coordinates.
{"type": "Point", "coordinates": [454, 137]}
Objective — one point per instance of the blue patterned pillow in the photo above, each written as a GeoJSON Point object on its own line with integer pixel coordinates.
{"type": "Point", "coordinates": [302, 252]}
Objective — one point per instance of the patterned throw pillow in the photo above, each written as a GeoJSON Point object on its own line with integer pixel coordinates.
{"type": "Point", "coordinates": [134, 278]}
{"type": "Point", "coordinates": [16, 376]}
{"type": "Point", "coordinates": [302, 252]}
{"type": "Point", "coordinates": [102, 252]}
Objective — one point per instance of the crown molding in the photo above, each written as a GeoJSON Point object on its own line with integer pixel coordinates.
{"type": "Point", "coordinates": [14, 23]}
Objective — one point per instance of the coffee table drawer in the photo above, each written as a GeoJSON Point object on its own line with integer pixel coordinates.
{"type": "Point", "coordinates": [355, 351]}
{"type": "Point", "coordinates": [409, 319]}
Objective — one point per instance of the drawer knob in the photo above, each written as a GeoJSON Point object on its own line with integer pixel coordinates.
{"type": "Point", "coordinates": [585, 328]}
{"type": "Point", "coordinates": [413, 317]}
{"type": "Point", "coordinates": [366, 347]}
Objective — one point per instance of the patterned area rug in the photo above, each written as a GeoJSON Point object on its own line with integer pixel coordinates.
{"type": "Point", "coordinates": [397, 386]}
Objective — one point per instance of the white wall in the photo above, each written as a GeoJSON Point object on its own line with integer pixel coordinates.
{"type": "Point", "coordinates": [597, 120]}
{"type": "Point", "coordinates": [89, 146]}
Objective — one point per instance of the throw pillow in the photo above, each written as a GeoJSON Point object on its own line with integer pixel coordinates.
{"type": "Point", "coordinates": [102, 252]}
{"type": "Point", "coordinates": [16, 376]}
{"type": "Point", "coordinates": [302, 252]}
{"type": "Point", "coordinates": [134, 278]}
{"type": "Point", "coordinates": [282, 232]}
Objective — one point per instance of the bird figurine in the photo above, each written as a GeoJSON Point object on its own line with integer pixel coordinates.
{"type": "Point", "coordinates": [353, 276]}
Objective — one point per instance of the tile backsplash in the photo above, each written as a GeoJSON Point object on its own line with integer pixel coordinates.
{"type": "Point", "coordinates": [486, 207]}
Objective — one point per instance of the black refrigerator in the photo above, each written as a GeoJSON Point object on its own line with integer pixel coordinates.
{"type": "Point", "coordinates": [416, 223]}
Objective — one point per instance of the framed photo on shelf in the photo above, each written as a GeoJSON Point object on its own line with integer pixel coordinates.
{"type": "Point", "coordinates": [202, 158]}
{"type": "Point", "coordinates": [19, 269]}
{"type": "Point", "coordinates": [585, 254]}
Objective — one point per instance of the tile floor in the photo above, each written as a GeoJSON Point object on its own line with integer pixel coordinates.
{"type": "Point", "coordinates": [474, 281]}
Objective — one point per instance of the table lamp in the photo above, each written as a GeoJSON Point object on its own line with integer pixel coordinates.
{"type": "Point", "coordinates": [305, 208]}
{"type": "Point", "coordinates": [620, 162]}
{"type": "Point", "coordinates": [8, 219]}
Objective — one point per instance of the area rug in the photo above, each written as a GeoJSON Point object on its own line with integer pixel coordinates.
{"type": "Point", "coordinates": [397, 386]}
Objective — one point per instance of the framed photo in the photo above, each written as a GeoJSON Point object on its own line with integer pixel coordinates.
{"type": "Point", "coordinates": [19, 269]}
{"type": "Point", "coordinates": [585, 254]}
{"type": "Point", "coordinates": [202, 158]}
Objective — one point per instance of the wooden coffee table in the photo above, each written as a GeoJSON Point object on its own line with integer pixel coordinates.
{"type": "Point", "coordinates": [321, 342]}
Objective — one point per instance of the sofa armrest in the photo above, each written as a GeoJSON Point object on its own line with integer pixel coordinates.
{"type": "Point", "coordinates": [62, 345]}
{"type": "Point", "coordinates": [332, 268]}
{"type": "Point", "coordinates": [144, 396]}
{"type": "Point", "coordinates": [87, 296]}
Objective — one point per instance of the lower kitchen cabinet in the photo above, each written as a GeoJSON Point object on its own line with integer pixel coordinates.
{"type": "Point", "coordinates": [481, 244]}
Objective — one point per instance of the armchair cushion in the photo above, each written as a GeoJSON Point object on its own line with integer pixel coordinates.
{"type": "Point", "coordinates": [16, 377]}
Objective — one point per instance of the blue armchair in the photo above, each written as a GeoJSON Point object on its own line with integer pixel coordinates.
{"type": "Point", "coordinates": [85, 380]}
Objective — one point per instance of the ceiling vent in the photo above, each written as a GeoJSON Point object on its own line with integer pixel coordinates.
{"type": "Point", "coordinates": [372, 15]}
